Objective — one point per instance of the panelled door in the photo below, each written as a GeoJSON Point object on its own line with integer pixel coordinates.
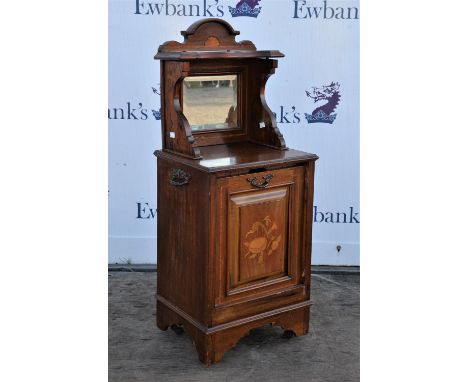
{"type": "Point", "coordinates": [260, 245]}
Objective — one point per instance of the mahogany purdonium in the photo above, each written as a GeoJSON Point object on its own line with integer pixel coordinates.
{"type": "Point", "coordinates": [234, 204]}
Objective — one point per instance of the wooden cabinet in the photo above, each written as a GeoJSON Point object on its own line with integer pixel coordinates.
{"type": "Point", "coordinates": [234, 203]}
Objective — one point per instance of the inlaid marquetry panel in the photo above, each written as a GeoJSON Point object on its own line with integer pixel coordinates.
{"type": "Point", "coordinates": [259, 222]}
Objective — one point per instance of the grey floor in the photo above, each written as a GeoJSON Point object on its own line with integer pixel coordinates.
{"type": "Point", "coordinates": [138, 351]}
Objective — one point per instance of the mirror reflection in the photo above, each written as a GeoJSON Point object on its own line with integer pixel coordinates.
{"type": "Point", "coordinates": [210, 102]}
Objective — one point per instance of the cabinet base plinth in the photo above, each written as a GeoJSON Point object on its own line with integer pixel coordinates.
{"type": "Point", "coordinates": [212, 343]}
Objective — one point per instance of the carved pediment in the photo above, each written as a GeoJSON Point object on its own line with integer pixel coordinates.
{"type": "Point", "coordinates": [208, 34]}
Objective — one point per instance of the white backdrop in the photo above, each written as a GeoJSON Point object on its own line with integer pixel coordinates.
{"type": "Point", "coordinates": [321, 42]}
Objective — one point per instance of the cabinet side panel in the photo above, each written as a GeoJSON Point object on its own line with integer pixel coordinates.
{"type": "Point", "coordinates": [308, 206]}
{"type": "Point", "coordinates": [183, 225]}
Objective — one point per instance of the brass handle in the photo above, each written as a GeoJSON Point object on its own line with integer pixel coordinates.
{"type": "Point", "coordinates": [179, 177]}
{"type": "Point", "coordinates": [266, 180]}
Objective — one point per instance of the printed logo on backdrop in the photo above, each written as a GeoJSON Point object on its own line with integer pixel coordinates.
{"type": "Point", "coordinates": [145, 211]}
{"type": "Point", "coordinates": [157, 113]}
{"type": "Point", "coordinates": [194, 8]}
{"type": "Point", "coordinates": [135, 111]}
{"type": "Point", "coordinates": [246, 8]}
{"type": "Point", "coordinates": [330, 94]}
{"type": "Point", "coordinates": [350, 216]}
{"type": "Point", "coordinates": [325, 10]}
{"type": "Point", "coordinates": [301, 9]}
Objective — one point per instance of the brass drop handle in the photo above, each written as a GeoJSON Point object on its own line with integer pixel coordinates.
{"type": "Point", "coordinates": [266, 180]}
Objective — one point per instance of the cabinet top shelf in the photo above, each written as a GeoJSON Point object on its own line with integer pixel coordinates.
{"type": "Point", "coordinates": [240, 155]}
{"type": "Point", "coordinates": [211, 39]}
{"type": "Point", "coordinates": [216, 54]}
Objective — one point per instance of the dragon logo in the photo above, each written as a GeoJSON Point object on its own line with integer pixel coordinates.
{"type": "Point", "coordinates": [246, 8]}
{"type": "Point", "coordinates": [324, 113]}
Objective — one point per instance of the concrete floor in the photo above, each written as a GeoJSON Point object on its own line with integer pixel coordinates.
{"type": "Point", "coordinates": [138, 351]}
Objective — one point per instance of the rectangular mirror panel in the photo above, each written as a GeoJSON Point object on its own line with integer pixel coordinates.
{"type": "Point", "coordinates": [210, 102]}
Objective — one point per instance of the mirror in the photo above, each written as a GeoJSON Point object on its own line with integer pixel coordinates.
{"type": "Point", "coordinates": [210, 102]}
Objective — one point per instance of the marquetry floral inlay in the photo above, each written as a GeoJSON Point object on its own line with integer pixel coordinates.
{"type": "Point", "coordinates": [262, 240]}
